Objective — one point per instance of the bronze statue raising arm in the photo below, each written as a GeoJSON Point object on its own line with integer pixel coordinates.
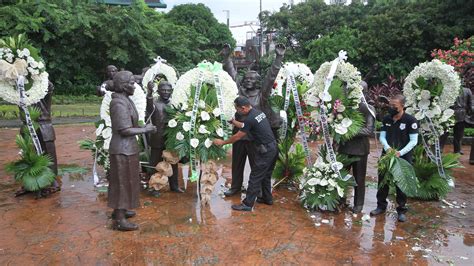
{"type": "Point", "coordinates": [273, 71]}
{"type": "Point", "coordinates": [227, 64]}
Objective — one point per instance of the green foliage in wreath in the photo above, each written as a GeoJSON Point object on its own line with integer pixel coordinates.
{"type": "Point", "coordinates": [432, 185]}
{"type": "Point", "coordinates": [290, 164]}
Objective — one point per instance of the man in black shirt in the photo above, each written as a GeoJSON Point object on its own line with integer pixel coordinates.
{"type": "Point", "coordinates": [399, 132]}
{"type": "Point", "coordinates": [256, 124]}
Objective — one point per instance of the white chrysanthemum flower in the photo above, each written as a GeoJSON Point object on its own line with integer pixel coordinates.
{"type": "Point", "coordinates": [205, 116]}
{"type": "Point", "coordinates": [203, 130]}
{"type": "Point", "coordinates": [216, 112]}
{"type": "Point", "coordinates": [208, 143]}
{"type": "Point", "coordinates": [40, 65]}
{"type": "Point", "coordinates": [220, 132]}
{"type": "Point", "coordinates": [187, 126]}
{"type": "Point", "coordinates": [179, 136]}
{"type": "Point", "coordinates": [172, 123]}
{"type": "Point", "coordinates": [425, 95]}
{"type": "Point", "coordinates": [194, 143]}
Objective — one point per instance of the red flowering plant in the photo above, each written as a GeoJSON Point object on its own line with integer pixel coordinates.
{"type": "Point", "coordinates": [459, 56]}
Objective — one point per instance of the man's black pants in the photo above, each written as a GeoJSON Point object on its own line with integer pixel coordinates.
{"type": "Point", "coordinates": [240, 150]}
{"type": "Point", "coordinates": [458, 134]}
{"type": "Point", "coordinates": [382, 195]}
{"type": "Point", "coordinates": [261, 175]}
{"type": "Point", "coordinates": [359, 170]}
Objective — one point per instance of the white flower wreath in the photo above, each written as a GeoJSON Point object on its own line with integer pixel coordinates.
{"type": "Point", "coordinates": [182, 90]}
{"type": "Point", "coordinates": [421, 104]}
{"type": "Point", "coordinates": [160, 67]}
{"type": "Point", "coordinates": [14, 63]}
{"type": "Point", "coordinates": [138, 98]}
{"type": "Point", "coordinates": [340, 115]}
{"type": "Point", "coordinates": [300, 71]}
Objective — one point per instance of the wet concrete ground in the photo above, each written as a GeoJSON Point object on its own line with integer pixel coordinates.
{"type": "Point", "coordinates": [73, 227]}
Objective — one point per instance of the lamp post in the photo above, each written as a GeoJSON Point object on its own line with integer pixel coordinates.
{"type": "Point", "coordinates": [228, 12]}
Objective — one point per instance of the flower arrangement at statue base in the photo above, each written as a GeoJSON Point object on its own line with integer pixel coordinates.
{"type": "Point", "coordinates": [322, 187]}
{"type": "Point", "coordinates": [31, 170]}
{"type": "Point", "coordinates": [291, 157]}
{"type": "Point", "coordinates": [432, 185]}
{"type": "Point", "coordinates": [397, 172]}
{"type": "Point", "coordinates": [202, 103]}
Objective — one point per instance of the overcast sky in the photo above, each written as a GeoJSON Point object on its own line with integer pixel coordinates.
{"type": "Point", "coordinates": [240, 12]}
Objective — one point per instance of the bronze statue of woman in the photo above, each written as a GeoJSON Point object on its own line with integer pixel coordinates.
{"type": "Point", "coordinates": [124, 183]}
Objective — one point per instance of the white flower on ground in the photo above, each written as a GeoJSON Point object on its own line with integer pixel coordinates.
{"type": "Point", "coordinates": [208, 143]}
{"type": "Point", "coordinates": [203, 130]}
{"type": "Point", "coordinates": [186, 126]}
{"type": "Point", "coordinates": [216, 112]}
{"type": "Point", "coordinates": [205, 116]}
{"type": "Point", "coordinates": [172, 123]}
{"type": "Point", "coordinates": [194, 143]}
{"type": "Point", "coordinates": [220, 132]}
{"type": "Point", "coordinates": [179, 136]}
{"type": "Point", "coordinates": [313, 181]}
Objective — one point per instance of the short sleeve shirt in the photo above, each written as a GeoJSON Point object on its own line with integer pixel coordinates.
{"type": "Point", "coordinates": [258, 126]}
{"type": "Point", "coordinates": [398, 132]}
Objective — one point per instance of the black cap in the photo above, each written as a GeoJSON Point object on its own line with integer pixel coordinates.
{"type": "Point", "coordinates": [241, 101]}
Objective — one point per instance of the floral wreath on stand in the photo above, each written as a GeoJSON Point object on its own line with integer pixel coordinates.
{"type": "Point", "coordinates": [336, 94]}
{"type": "Point", "coordinates": [342, 100]}
{"type": "Point", "coordinates": [295, 114]}
{"type": "Point", "coordinates": [430, 90]}
{"type": "Point", "coordinates": [160, 67]}
{"type": "Point", "coordinates": [18, 58]}
{"type": "Point", "coordinates": [100, 146]}
{"type": "Point", "coordinates": [24, 81]}
{"type": "Point", "coordinates": [203, 101]}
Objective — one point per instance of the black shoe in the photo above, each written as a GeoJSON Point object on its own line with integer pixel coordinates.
{"type": "Point", "coordinates": [177, 190]}
{"type": "Point", "coordinates": [377, 211]}
{"type": "Point", "coordinates": [128, 214]}
{"type": "Point", "coordinates": [124, 225]}
{"type": "Point", "coordinates": [231, 192]}
{"type": "Point", "coordinates": [242, 207]}
{"type": "Point", "coordinates": [356, 209]}
{"type": "Point", "coordinates": [402, 217]}
{"type": "Point", "coordinates": [268, 202]}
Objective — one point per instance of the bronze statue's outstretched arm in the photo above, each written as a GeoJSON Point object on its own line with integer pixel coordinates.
{"type": "Point", "coordinates": [227, 64]}
{"type": "Point", "coordinates": [273, 71]}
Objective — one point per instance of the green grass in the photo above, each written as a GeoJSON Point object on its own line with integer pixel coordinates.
{"type": "Point", "coordinates": [10, 112]}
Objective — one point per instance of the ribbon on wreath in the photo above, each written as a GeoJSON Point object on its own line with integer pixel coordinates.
{"type": "Point", "coordinates": [436, 156]}
{"type": "Point", "coordinates": [20, 84]}
{"type": "Point", "coordinates": [216, 68]}
{"type": "Point", "coordinates": [291, 82]}
{"type": "Point", "coordinates": [335, 165]}
{"type": "Point", "coordinates": [284, 126]}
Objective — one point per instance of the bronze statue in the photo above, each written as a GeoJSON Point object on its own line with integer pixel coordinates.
{"type": "Point", "coordinates": [124, 183]}
{"type": "Point", "coordinates": [107, 85]}
{"type": "Point", "coordinates": [258, 94]}
{"type": "Point", "coordinates": [159, 118]}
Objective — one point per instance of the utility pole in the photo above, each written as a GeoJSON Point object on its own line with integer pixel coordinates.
{"type": "Point", "coordinates": [228, 15]}
{"type": "Point", "coordinates": [261, 30]}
